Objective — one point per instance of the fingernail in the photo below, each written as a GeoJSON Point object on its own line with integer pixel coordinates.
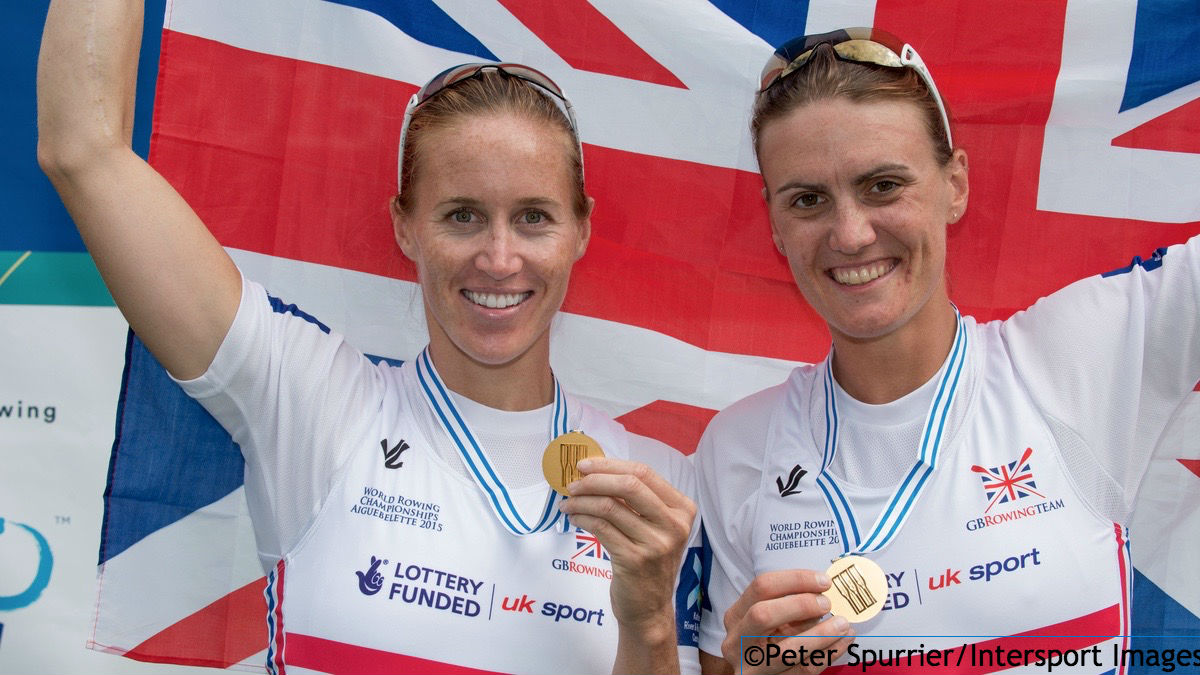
{"type": "Point", "coordinates": [572, 487]}
{"type": "Point", "coordinates": [840, 624]}
{"type": "Point", "coordinates": [823, 603]}
{"type": "Point", "coordinates": [584, 465]}
{"type": "Point", "coordinates": [822, 579]}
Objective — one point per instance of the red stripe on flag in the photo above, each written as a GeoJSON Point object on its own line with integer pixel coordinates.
{"type": "Point", "coordinates": [1072, 634]}
{"type": "Point", "coordinates": [297, 160]}
{"type": "Point", "coordinates": [254, 144]}
{"type": "Point", "coordinates": [304, 183]}
{"type": "Point", "coordinates": [588, 40]}
{"type": "Point", "coordinates": [340, 658]}
{"type": "Point", "coordinates": [1176, 131]}
{"type": "Point", "coordinates": [1192, 465]}
{"type": "Point", "coordinates": [1005, 253]}
{"type": "Point", "coordinates": [220, 635]}
{"type": "Point", "coordinates": [677, 424]}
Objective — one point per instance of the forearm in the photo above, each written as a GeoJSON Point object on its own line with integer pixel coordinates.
{"type": "Point", "coordinates": [173, 282]}
{"type": "Point", "coordinates": [649, 648]}
{"type": "Point", "coordinates": [169, 276]}
{"type": "Point", "coordinates": [86, 80]}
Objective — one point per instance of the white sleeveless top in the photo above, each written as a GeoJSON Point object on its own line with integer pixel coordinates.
{"type": "Point", "coordinates": [1020, 529]}
{"type": "Point", "coordinates": [998, 543]}
{"type": "Point", "coordinates": [380, 556]}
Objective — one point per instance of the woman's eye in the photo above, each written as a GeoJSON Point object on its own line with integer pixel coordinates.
{"type": "Point", "coordinates": [533, 218]}
{"type": "Point", "coordinates": [807, 200]}
{"type": "Point", "coordinates": [462, 216]}
{"type": "Point", "coordinates": [884, 186]}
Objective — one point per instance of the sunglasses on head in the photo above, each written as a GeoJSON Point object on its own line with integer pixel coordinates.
{"type": "Point", "coordinates": [856, 45]}
{"type": "Point", "coordinates": [458, 74]}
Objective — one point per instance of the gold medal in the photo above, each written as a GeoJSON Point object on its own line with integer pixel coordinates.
{"type": "Point", "coordinates": [561, 456]}
{"type": "Point", "coordinates": [858, 590]}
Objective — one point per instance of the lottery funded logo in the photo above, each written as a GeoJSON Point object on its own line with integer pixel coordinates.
{"type": "Point", "coordinates": [1005, 485]}
{"type": "Point", "coordinates": [370, 581]}
{"type": "Point", "coordinates": [396, 508]}
{"type": "Point", "coordinates": [422, 586]}
{"type": "Point", "coordinates": [900, 588]}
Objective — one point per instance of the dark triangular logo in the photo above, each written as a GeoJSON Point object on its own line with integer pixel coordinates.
{"type": "Point", "coordinates": [391, 458]}
{"type": "Point", "coordinates": [793, 482]}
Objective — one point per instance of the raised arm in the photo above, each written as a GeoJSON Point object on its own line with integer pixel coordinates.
{"type": "Point", "coordinates": [174, 283]}
{"type": "Point", "coordinates": [645, 524]}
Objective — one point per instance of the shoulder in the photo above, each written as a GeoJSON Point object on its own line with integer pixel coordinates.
{"type": "Point", "coordinates": [731, 457]}
{"type": "Point", "coordinates": [755, 411]}
{"type": "Point", "coordinates": [617, 441]}
{"type": "Point", "coordinates": [740, 430]}
{"type": "Point", "coordinates": [620, 442]}
{"type": "Point", "coordinates": [670, 463]}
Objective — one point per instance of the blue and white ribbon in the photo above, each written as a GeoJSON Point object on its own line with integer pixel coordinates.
{"type": "Point", "coordinates": [898, 508]}
{"type": "Point", "coordinates": [476, 459]}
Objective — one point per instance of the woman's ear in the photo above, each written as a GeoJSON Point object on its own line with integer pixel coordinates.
{"type": "Point", "coordinates": [585, 229]}
{"type": "Point", "coordinates": [775, 237]}
{"type": "Point", "coordinates": [959, 185]}
{"type": "Point", "coordinates": [400, 227]}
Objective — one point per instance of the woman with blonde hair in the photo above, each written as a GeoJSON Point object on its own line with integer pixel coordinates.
{"type": "Point", "coordinates": [401, 514]}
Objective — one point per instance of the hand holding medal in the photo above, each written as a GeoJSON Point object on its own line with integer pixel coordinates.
{"type": "Point", "coordinates": [560, 461]}
{"type": "Point", "coordinates": [641, 521]}
{"type": "Point", "coordinates": [858, 588]}
{"type": "Point", "coordinates": [786, 608]}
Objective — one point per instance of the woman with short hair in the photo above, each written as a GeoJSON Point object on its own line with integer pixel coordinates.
{"type": "Point", "coordinates": [933, 476]}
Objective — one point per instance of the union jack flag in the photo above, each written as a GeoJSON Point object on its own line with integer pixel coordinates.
{"type": "Point", "coordinates": [1008, 482]}
{"type": "Point", "coordinates": [278, 120]}
{"type": "Point", "coordinates": [588, 546]}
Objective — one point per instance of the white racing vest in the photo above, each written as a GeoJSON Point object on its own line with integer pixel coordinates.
{"type": "Point", "coordinates": [406, 569]}
{"type": "Point", "coordinates": [999, 540]}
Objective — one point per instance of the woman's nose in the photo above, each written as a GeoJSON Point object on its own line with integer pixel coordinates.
{"type": "Point", "coordinates": [499, 257]}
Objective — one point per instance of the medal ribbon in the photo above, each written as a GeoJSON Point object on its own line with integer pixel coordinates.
{"type": "Point", "coordinates": [898, 508]}
{"type": "Point", "coordinates": [476, 460]}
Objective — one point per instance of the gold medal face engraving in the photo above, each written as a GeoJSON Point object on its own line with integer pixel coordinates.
{"type": "Point", "coordinates": [562, 456]}
{"type": "Point", "coordinates": [858, 590]}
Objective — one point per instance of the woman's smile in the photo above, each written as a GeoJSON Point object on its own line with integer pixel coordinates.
{"type": "Point", "coordinates": [859, 275]}
{"type": "Point", "coordinates": [859, 204]}
{"type": "Point", "coordinates": [496, 300]}
{"type": "Point", "coordinates": [493, 235]}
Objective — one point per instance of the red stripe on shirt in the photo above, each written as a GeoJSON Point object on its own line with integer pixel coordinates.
{"type": "Point", "coordinates": [1073, 634]}
{"type": "Point", "coordinates": [280, 634]}
{"type": "Point", "coordinates": [1126, 591]}
{"type": "Point", "coordinates": [340, 658]}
